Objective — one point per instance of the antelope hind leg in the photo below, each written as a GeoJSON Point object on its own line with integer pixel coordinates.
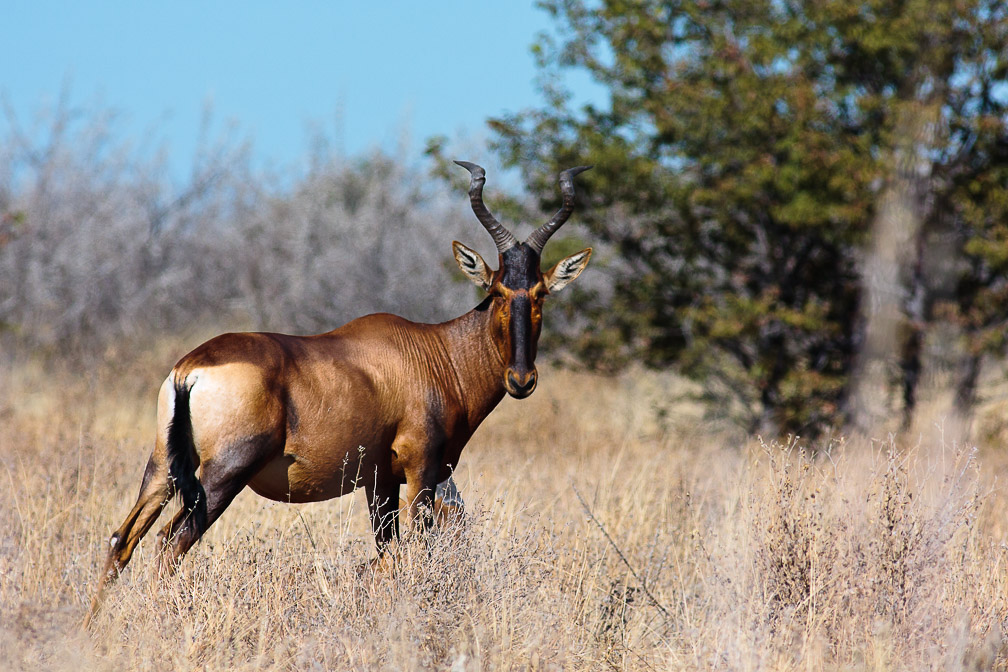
{"type": "Point", "coordinates": [222, 479]}
{"type": "Point", "coordinates": [154, 495]}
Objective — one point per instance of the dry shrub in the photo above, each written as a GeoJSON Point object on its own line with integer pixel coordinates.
{"type": "Point", "coordinates": [869, 556]}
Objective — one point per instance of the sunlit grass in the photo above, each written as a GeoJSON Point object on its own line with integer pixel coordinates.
{"type": "Point", "coordinates": [607, 528]}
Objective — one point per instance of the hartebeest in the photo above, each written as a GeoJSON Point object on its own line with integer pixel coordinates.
{"type": "Point", "coordinates": [379, 402]}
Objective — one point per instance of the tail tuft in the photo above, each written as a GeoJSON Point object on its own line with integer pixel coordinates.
{"type": "Point", "coordinates": [182, 461]}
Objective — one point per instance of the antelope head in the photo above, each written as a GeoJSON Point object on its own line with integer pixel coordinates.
{"type": "Point", "coordinates": [519, 286]}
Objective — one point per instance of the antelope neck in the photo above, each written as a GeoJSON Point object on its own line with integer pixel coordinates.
{"type": "Point", "coordinates": [475, 360]}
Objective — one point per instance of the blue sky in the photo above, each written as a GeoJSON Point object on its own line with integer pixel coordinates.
{"type": "Point", "coordinates": [368, 73]}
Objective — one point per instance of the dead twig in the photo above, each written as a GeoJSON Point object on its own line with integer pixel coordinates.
{"type": "Point", "coordinates": [641, 582]}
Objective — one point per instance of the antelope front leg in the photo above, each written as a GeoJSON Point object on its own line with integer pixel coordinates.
{"type": "Point", "coordinates": [420, 488]}
{"type": "Point", "coordinates": [449, 507]}
{"type": "Point", "coordinates": [383, 500]}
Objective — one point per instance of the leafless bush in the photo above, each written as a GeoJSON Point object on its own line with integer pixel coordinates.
{"type": "Point", "coordinates": [351, 239]}
{"type": "Point", "coordinates": [99, 243]}
{"type": "Point", "coordinates": [102, 245]}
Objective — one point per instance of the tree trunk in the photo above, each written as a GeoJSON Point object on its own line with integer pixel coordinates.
{"type": "Point", "coordinates": [916, 312]}
{"type": "Point", "coordinates": [966, 388]}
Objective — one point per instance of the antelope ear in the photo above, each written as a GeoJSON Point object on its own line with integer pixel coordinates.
{"type": "Point", "coordinates": [566, 270]}
{"type": "Point", "coordinates": [472, 265]}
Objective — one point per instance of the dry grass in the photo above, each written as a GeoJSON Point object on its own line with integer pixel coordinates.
{"type": "Point", "coordinates": [608, 529]}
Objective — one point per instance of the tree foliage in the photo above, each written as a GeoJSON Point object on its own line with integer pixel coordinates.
{"type": "Point", "coordinates": [739, 161]}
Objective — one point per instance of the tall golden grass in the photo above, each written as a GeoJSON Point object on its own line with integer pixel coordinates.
{"type": "Point", "coordinates": [607, 528]}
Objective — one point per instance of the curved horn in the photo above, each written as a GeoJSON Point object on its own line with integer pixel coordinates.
{"type": "Point", "coordinates": [537, 240]}
{"type": "Point", "coordinates": [504, 239]}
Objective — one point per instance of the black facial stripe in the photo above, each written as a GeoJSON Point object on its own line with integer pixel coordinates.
{"type": "Point", "coordinates": [521, 332]}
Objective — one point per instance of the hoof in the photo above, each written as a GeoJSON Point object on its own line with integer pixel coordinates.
{"type": "Point", "coordinates": [382, 566]}
{"type": "Point", "coordinates": [445, 514]}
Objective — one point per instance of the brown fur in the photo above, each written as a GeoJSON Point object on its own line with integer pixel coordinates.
{"type": "Point", "coordinates": [378, 403]}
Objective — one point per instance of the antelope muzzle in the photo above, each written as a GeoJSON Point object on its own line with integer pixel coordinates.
{"type": "Point", "coordinates": [520, 384]}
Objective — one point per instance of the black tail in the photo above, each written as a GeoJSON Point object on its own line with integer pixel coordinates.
{"type": "Point", "coordinates": [181, 461]}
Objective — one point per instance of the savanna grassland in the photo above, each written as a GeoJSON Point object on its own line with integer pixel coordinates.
{"type": "Point", "coordinates": [608, 527]}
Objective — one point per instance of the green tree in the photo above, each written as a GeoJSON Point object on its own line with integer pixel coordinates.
{"type": "Point", "coordinates": [973, 193]}
{"type": "Point", "coordinates": [739, 161]}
